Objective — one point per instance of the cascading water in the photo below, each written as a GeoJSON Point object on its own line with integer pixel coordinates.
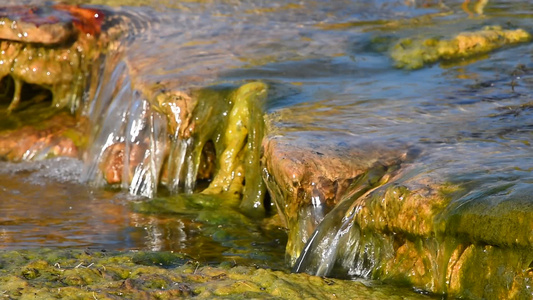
{"type": "Point", "coordinates": [469, 111]}
{"type": "Point", "coordinates": [337, 245]}
{"type": "Point", "coordinates": [140, 139]}
{"type": "Point", "coordinates": [123, 124]}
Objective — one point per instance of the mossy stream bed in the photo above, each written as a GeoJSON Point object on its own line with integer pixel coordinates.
{"type": "Point", "coordinates": [93, 274]}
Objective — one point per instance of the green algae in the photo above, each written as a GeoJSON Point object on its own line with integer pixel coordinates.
{"type": "Point", "coordinates": [414, 53]}
{"type": "Point", "coordinates": [75, 274]}
{"type": "Point", "coordinates": [33, 115]}
{"type": "Point", "coordinates": [230, 235]}
{"type": "Point", "coordinates": [238, 149]}
{"type": "Point", "coordinates": [435, 238]}
{"type": "Point", "coordinates": [229, 119]}
{"type": "Point", "coordinates": [63, 69]}
{"type": "Point", "coordinates": [489, 218]}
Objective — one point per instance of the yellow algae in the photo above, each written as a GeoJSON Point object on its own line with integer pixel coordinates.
{"type": "Point", "coordinates": [77, 274]}
{"type": "Point", "coordinates": [238, 148]}
{"type": "Point", "coordinates": [62, 70]}
{"type": "Point", "coordinates": [414, 53]}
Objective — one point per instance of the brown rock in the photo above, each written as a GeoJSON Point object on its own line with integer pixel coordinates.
{"type": "Point", "coordinates": [48, 25]}
{"type": "Point", "coordinates": [35, 25]}
{"type": "Point", "coordinates": [307, 174]}
{"type": "Point", "coordinates": [59, 135]}
{"type": "Point", "coordinates": [112, 165]}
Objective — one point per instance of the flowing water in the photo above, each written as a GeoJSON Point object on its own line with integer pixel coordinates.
{"type": "Point", "coordinates": [328, 68]}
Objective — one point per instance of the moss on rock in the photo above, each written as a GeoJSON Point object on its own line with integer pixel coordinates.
{"type": "Point", "coordinates": [72, 274]}
{"type": "Point", "coordinates": [436, 237]}
{"type": "Point", "coordinates": [414, 53]}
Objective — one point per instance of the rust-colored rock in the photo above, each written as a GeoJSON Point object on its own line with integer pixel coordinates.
{"type": "Point", "coordinates": [35, 25]}
{"type": "Point", "coordinates": [307, 174]}
{"type": "Point", "coordinates": [60, 135]}
{"type": "Point", "coordinates": [48, 25]}
{"type": "Point", "coordinates": [112, 165]}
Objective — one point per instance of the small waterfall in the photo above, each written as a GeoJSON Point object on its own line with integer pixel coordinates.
{"type": "Point", "coordinates": [127, 136]}
{"type": "Point", "coordinates": [182, 165]}
{"type": "Point", "coordinates": [338, 245]}
{"type": "Point", "coordinates": [140, 138]}
{"type": "Point", "coordinates": [321, 251]}
{"type": "Point", "coordinates": [144, 132]}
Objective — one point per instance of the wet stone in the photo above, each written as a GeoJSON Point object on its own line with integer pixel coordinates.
{"type": "Point", "coordinates": [431, 234]}
{"type": "Point", "coordinates": [54, 47]}
{"type": "Point", "coordinates": [413, 53]}
{"type": "Point", "coordinates": [58, 136]}
{"type": "Point", "coordinates": [309, 173]}
{"type": "Point", "coordinates": [35, 25]}
{"type": "Point", "coordinates": [48, 25]}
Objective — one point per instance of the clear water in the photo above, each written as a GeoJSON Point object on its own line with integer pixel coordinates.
{"type": "Point", "coordinates": [44, 204]}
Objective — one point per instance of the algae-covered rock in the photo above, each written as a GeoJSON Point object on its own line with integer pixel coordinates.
{"type": "Point", "coordinates": [429, 235]}
{"type": "Point", "coordinates": [52, 47]}
{"type": "Point", "coordinates": [30, 274]}
{"type": "Point", "coordinates": [414, 53]}
{"type": "Point", "coordinates": [214, 133]}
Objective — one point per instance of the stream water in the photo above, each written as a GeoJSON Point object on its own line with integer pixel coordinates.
{"type": "Point", "coordinates": [328, 68]}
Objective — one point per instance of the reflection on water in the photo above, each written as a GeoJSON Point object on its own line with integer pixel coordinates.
{"type": "Point", "coordinates": [44, 205]}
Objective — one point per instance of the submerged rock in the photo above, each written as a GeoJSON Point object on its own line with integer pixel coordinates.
{"type": "Point", "coordinates": [415, 53]}
{"type": "Point", "coordinates": [58, 135]}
